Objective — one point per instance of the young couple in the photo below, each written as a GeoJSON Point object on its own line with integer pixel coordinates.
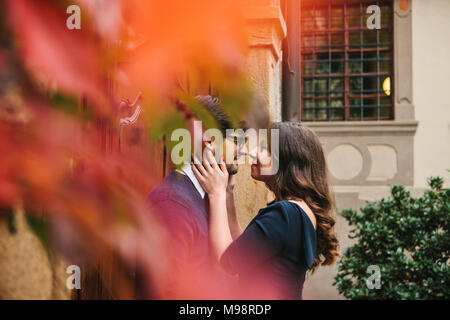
{"type": "Point", "coordinates": [210, 255]}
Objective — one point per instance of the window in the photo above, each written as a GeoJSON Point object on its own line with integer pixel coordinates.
{"type": "Point", "coordinates": [346, 68]}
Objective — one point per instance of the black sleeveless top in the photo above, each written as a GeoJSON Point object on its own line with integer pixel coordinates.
{"type": "Point", "coordinates": [276, 249]}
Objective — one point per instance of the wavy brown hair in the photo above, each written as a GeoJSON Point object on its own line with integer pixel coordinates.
{"type": "Point", "coordinates": [303, 175]}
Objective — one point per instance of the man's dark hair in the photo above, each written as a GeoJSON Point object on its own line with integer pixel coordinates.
{"type": "Point", "coordinates": [212, 104]}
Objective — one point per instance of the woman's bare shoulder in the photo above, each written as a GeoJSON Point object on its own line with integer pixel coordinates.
{"type": "Point", "coordinates": [307, 210]}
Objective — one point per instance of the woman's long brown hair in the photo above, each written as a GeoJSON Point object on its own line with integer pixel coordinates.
{"type": "Point", "coordinates": [303, 174]}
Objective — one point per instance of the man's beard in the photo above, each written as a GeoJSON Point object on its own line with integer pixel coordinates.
{"type": "Point", "coordinates": [232, 169]}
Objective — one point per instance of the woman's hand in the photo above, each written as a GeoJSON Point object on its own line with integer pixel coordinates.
{"type": "Point", "coordinates": [212, 177]}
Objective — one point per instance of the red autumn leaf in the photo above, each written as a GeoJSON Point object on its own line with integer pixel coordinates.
{"type": "Point", "coordinates": [52, 51]}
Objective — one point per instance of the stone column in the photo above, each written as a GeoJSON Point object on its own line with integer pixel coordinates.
{"type": "Point", "coordinates": [265, 27]}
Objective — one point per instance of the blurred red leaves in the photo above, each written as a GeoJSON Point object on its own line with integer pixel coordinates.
{"type": "Point", "coordinates": [69, 58]}
{"type": "Point", "coordinates": [55, 158]}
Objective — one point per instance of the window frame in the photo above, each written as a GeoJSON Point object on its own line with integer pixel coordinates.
{"type": "Point", "coordinates": [346, 49]}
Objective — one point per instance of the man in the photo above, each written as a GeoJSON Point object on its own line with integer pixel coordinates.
{"type": "Point", "coordinates": [183, 207]}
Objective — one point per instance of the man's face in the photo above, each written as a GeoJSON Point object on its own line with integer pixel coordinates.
{"type": "Point", "coordinates": [234, 147]}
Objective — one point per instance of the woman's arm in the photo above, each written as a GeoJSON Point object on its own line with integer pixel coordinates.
{"type": "Point", "coordinates": [262, 239]}
{"type": "Point", "coordinates": [233, 221]}
{"type": "Point", "coordinates": [219, 231]}
{"type": "Point", "coordinates": [214, 180]}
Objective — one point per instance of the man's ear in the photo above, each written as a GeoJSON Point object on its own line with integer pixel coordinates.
{"type": "Point", "coordinates": [190, 125]}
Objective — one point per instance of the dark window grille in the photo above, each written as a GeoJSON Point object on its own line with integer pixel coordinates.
{"type": "Point", "coordinates": [345, 67]}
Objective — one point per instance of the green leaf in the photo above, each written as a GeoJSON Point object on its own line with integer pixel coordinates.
{"type": "Point", "coordinates": [8, 213]}
{"type": "Point", "coordinates": [41, 228]}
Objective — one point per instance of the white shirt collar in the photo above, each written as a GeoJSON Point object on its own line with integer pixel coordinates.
{"type": "Point", "coordinates": [187, 170]}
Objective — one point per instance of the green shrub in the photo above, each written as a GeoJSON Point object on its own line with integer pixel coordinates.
{"type": "Point", "coordinates": [407, 238]}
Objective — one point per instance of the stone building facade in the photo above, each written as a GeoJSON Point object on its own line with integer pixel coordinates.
{"type": "Point", "coordinates": [365, 157]}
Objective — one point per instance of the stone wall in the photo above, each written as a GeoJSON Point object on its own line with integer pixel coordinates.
{"type": "Point", "coordinates": [265, 28]}
{"type": "Point", "coordinates": [27, 270]}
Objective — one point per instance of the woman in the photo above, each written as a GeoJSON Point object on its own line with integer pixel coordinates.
{"type": "Point", "coordinates": [291, 235]}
